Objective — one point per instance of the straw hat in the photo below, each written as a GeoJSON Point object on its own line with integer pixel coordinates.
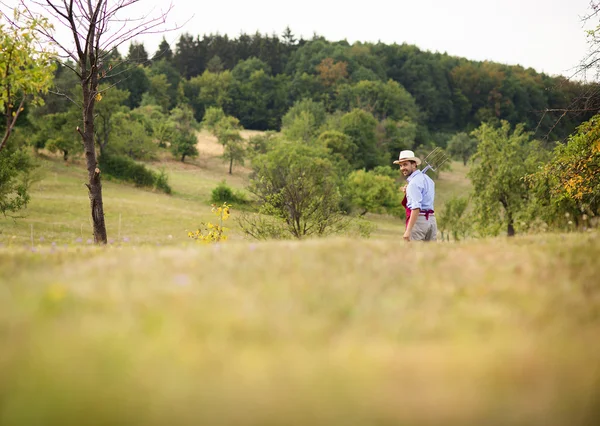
{"type": "Point", "coordinates": [407, 155]}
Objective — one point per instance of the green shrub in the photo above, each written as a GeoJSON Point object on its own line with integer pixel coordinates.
{"type": "Point", "coordinates": [125, 169]}
{"type": "Point", "coordinates": [223, 193]}
{"type": "Point", "coordinates": [161, 181]}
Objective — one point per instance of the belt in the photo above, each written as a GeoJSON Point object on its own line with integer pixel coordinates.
{"type": "Point", "coordinates": [426, 213]}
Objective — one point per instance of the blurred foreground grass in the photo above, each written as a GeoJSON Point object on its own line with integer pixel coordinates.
{"type": "Point", "coordinates": [337, 331]}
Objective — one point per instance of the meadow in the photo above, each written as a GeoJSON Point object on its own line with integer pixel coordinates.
{"type": "Point", "coordinates": [155, 329]}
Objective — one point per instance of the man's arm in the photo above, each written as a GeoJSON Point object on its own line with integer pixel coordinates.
{"type": "Point", "coordinates": [414, 215]}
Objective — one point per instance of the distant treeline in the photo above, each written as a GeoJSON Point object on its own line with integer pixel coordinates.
{"type": "Point", "coordinates": [258, 77]}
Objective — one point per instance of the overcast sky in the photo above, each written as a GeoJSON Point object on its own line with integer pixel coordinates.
{"type": "Point", "coordinates": [547, 35]}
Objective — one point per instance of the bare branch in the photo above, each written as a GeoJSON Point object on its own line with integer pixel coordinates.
{"type": "Point", "coordinates": [11, 124]}
{"type": "Point", "coordinates": [64, 95]}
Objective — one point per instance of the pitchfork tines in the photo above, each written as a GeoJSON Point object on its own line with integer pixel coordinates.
{"type": "Point", "coordinates": [435, 159]}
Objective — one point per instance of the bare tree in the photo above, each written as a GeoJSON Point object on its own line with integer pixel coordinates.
{"type": "Point", "coordinates": [586, 103]}
{"type": "Point", "coordinates": [96, 28]}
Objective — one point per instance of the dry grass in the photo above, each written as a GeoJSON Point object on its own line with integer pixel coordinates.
{"type": "Point", "coordinates": [316, 332]}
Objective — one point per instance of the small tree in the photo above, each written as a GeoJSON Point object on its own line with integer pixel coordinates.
{"type": "Point", "coordinates": [212, 117]}
{"type": "Point", "coordinates": [15, 167]}
{"type": "Point", "coordinates": [452, 219]}
{"type": "Point", "coordinates": [227, 130]}
{"type": "Point", "coordinates": [372, 192]}
{"type": "Point", "coordinates": [25, 75]}
{"type": "Point", "coordinates": [234, 146]}
{"type": "Point", "coordinates": [97, 28]}
{"type": "Point", "coordinates": [502, 160]}
{"type": "Point", "coordinates": [56, 133]}
{"type": "Point", "coordinates": [296, 184]}
{"type": "Point", "coordinates": [25, 71]}
{"type": "Point", "coordinates": [569, 184]}
{"type": "Point", "coordinates": [185, 140]}
{"type": "Point", "coordinates": [462, 146]}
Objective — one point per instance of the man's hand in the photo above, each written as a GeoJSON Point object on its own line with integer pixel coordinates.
{"type": "Point", "coordinates": [406, 235]}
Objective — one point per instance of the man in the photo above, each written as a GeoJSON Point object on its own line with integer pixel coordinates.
{"type": "Point", "coordinates": [418, 201]}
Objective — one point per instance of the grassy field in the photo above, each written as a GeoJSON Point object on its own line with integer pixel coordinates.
{"type": "Point", "coordinates": [323, 332]}
{"type": "Point", "coordinates": [59, 208]}
{"type": "Point", "coordinates": [154, 329]}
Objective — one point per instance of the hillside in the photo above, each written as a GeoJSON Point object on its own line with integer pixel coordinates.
{"type": "Point", "coordinates": [59, 208]}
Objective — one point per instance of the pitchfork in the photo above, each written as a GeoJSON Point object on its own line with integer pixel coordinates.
{"type": "Point", "coordinates": [435, 159]}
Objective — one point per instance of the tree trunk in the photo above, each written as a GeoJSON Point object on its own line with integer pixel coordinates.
{"type": "Point", "coordinates": [230, 165]}
{"type": "Point", "coordinates": [511, 229]}
{"type": "Point", "coordinates": [182, 158]}
{"type": "Point", "coordinates": [65, 155]}
{"type": "Point", "coordinates": [94, 184]}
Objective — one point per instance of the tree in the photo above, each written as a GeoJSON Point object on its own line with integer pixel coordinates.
{"type": "Point", "coordinates": [25, 71]}
{"type": "Point", "coordinates": [97, 28]}
{"type": "Point", "coordinates": [462, 146]}
{"type": "Point", "coordinates": [55, 132]}
{"type": "Point", "coordinates": [316, 109]}
{"type": "Point", "coordinates": [15, 167]}
{"type": "Point", "coordinates": [288, 37]}
{"type": "Point", "coordinates": [209, 90]}
{"type": "Point", "coordinates": [569, 184]}
{"type": "Point", "coordinates": [233, 144]}
{"type": "Point", "coordinates": [164, 51]}
{"type": "Point", "coordinates": [339, 145]}
{"type": "Point", "coordinates": [25, 75]}
{"type": "Point", "coordinates": [173, 81]}
{"type": "Point", "coordinates": [502, 160]}
{"type": "Point", "coordinates": [215, 65]}
{"type": "Point", "coordinates": [301, 128]}
{"type": "Point", "coordinates": [185, 140]}
{"type": "Point", "coordinates": [296, 184]}
{"type": "Point", "coordinates": [227, 130]}
{"type": "Point", "coordinates": [452, 219]}
{"type": "Point", "coordinates": [130, 138]}
{"type": "Point", "coordinates": [135, 81]}
{"type": "Point", "coordinates": [212, 118]}
{"type": "Point", "coordinates": [373, 192]}
{"type": "Point", "coordinates": [381, 99]}
{"type": "Point", "coordinates": [157, 91]}
{"type": "Point", "coordinates": [394, 136]}
{"type": "Point", "coordinates": [137, 53]}
{"type": "Point", "coordinates": [331, 72]}
{"type": "Point", "coordinates": [360, 126]}
{"type": "Point", "coordinates": [111, 104]}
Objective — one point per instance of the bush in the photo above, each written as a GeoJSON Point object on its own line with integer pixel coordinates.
{"type": "Point", "coordinates": [161, 181]}
{"type": "Point", "coordinates": [452, 219]}
{"type": "Point", "coordinates": [223, 193]}
{"type": "Point", "coordinates": [127, 170]}
{"type": "Point", "coordinates": [297, 185]}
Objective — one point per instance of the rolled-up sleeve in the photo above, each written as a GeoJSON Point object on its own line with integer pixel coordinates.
{"type": "Point", "coordinates": [414, 194]}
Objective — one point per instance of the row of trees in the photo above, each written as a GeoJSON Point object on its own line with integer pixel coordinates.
{"type": "Point", "coordinates": [518, 186]}
{"type": "Point", "coordinates": [258, 78]}
{"type": "Point", "coordinates": [452, 94]}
